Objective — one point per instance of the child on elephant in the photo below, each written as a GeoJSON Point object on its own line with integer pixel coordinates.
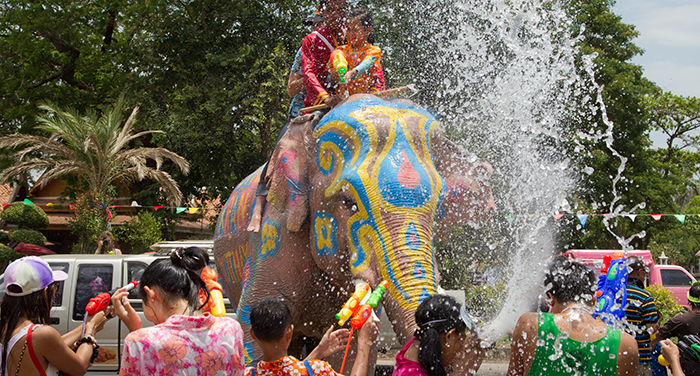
{"type": "Point", "coordinates": [364, 72]}
{"type": "Point", "coordinates": [271, 327]}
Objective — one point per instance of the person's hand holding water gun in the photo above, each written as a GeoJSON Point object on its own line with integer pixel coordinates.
{"type": "Point", "coordinates": [124, 310]}
{"type": "Point", "coordinates": [670, 356]}
{"type": "Point", "coordinates": [331, 343]}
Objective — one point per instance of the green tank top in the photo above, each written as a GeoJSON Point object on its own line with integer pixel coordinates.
{"type": "Point", "coordinates": [558, 355]}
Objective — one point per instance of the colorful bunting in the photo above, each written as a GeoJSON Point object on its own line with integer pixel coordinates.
{"type": "Point", "coordinates": [4, 206]}
{"type": "Point", "coordinates": [680, 217]}
{"type": "Point", "coordinates": [180, 209]}
{"type": "Point", "coordinates": [28, 202]}
{"type": "Point", "coordinates": [135, 204]}
{"type": "Point", "coordinates": [557, 216]}
{"type": "Point", "coordinates": [158, 207]}
{"type": "Point", "coordinates": [193, 210]}
{"type": "Point", "coordinates": [632, 216]}
{"type": "Point", "coordinates": [656, 217]}
{"type": "Point", "coordinates": [582, 218]}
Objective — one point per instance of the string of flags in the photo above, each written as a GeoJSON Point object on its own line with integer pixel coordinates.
{"type": "Point", "coordinates": [584, 217]}
{"type": "Point", "coordinates": [134, 204]}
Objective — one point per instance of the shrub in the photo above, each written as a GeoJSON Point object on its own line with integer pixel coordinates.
{"type": "Point", "coordinates": [90, 220]}
{"type": "Point", "coordinates": [140, 232]}
{"type": "Point", "coordinates": [4, 237]}
{"type": "Point", "coordinates": [8, 254]}
{"type": "Point", "coordinates": [20, 235]}
{"type": "Point", "coordinates": [30, 216]}
{"type": "Point", "coordinates": [665, 302]}
{"type": "Point", "coordinates": [485, 301]}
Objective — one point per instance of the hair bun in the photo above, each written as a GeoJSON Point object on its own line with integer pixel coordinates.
{"type": "Point", "coordinates": [194, 258]}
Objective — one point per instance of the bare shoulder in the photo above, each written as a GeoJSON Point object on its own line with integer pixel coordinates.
{"type": "Point", "coordinates": [527, 321]}
{"type": "Point", "coordinates": [627, 355]}
{"type": "Point", "coordinates": [45, 332]}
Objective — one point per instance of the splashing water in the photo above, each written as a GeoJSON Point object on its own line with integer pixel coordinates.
{"type": "Point", "coordinates": [505, 88]}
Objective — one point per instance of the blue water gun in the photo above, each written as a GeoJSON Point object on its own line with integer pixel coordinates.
{"type": "Point", "coordinates": [612, 284]}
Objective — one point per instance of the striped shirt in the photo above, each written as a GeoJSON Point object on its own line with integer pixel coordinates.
{"type": "Point", "coordinates": [641, 310]}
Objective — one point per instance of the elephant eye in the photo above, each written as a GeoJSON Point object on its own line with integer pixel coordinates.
{"type": "Point", "coordinates": [349, 204]}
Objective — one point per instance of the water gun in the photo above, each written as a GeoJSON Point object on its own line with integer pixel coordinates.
{"type": "Point", "coordinates": [215, 305]}
{"type": "Point", "coordinates": [611, 283]}
{"type": "Point", "coordinates": [353, 305]}
{"type": "Point", "coordinates": [688, 347]}
{"type": "Point", "coordinates": [339, 63]}
{"type": "Point", "coordinates": [367, 309]}
{"type": "Point", "coordinates": [101, 301]}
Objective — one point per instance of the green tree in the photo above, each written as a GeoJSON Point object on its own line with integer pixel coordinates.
{"type": "Point", "coordinates": [142, 231]}
{"type": "Point", "coordinates": [97, 148]}
{"type": "Point", "coordinates": [623, 90]}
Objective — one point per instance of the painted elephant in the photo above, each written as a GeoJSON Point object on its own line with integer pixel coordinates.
{"type": "Point", "coordinates": [357, 194]}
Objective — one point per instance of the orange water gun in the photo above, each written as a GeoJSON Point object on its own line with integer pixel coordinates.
{"type": "Point", "coordinates": [215, 305]}
{"type": "Point", "coordinates": [340, 63]}
{"type": "Point", "coordinates": [352, 306]}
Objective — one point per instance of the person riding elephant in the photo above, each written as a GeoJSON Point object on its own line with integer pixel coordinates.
{"type": "Point", "coordinates": [359, 194]}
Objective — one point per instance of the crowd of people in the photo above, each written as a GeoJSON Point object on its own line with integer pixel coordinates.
{"type": "Point", "coordinates": [186, 340]}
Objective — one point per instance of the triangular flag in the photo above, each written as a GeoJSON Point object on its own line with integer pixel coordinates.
{"type": "Point", "coordinates": [4, 206]}
{"type": "Point", "coordinates": [179, 210]}
{"type": "Point", "coordinates": [158, 207]}
{"type": "Point", "coordinates": [135, 204]}
{"type": "Point", "coordinates": [582, 218]}
{"type": "Point", "coordinates": [509, 219]}
{"type": "Point", "coordinates": [109, 214]}
{"type": "Point", "coordinates": [71, 206]}
{"type": "Point", "coordinates": [557, 216]}
{"type": "Point", "coordinates": [632, 217]}
{"type": "Point", "coordinates": [606, 214]}
{"type": "Point", "coordinates": [28, 202]}
{"type": "Point", "coordinates": [680, 217]}
{"type": "Point", "coordinates": [656, 216]}
{"type": "Point", "coordinates": [193, 210]}
{"type": "Point", "coordinates": [114, 206]}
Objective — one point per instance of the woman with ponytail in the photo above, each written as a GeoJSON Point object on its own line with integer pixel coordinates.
{"type": "Point", "coordinates": [184, 340]}
{"type": "Point", "coordinates": [444, 329]}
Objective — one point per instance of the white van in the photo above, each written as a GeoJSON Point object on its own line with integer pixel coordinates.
{"type": "Point", "coordinates": [89, 275]}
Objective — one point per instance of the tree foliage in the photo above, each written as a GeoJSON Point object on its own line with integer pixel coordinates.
{"type": "Point", "coordinates": [22, 215]}
{"type": "Point", "coordinates": [94, 147]}
{"type": "Point", "coordinates": [141, 231]}
{"type": "Point", "coordinates": [21, 235]}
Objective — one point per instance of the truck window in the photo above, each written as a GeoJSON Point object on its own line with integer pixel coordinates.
{"type": "Point", "coordinates": [93, 279]}
{"type": "Point", "coordinates": [58, 299]}
{"type": "Point", "coordinates": [672, 277]}
{"type": "Point", "coordinates": [134, 271]}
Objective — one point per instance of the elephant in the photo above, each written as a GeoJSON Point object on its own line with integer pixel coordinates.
{"type": "Point", "coordinates": [359, 194]}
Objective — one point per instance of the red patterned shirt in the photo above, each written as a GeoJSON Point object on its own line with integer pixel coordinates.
{"type": "Point", "coordinates": [291, 366]}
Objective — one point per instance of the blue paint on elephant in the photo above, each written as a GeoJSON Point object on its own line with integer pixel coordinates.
{"type": "Point", "coordinates": [402, 180]}
{"type": "Point", "coordinates": [244, 314]}
{"type": "Point", "coordinates": [412, 238]}
{"type": "Point", "coordinates": [325, 232]}
{"type": "Point", "coordinates": [248, 354]}
{"type": "Point", "coordinates": [269, 238]}
{"type": "Point", "coordinates": [419, 271]}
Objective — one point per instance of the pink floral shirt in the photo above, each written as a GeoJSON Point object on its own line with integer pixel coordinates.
{"type": "Point", "coordinates": [184, 345]}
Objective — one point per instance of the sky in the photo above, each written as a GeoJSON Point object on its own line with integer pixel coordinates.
{"type": "Point", "coordinates": [669, 33]}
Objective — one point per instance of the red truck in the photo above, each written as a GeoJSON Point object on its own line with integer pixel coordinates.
{"type": "Point", "coordinates": [674, 278]}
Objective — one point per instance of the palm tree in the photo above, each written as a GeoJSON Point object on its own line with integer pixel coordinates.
{"type": "Point", "coordinates": [95, 147]}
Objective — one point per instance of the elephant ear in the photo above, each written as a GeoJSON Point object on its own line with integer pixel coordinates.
{"type": "Point", "coordinates": [469, 199]}
{"type": "Point", "coordinates": [287, 174]}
